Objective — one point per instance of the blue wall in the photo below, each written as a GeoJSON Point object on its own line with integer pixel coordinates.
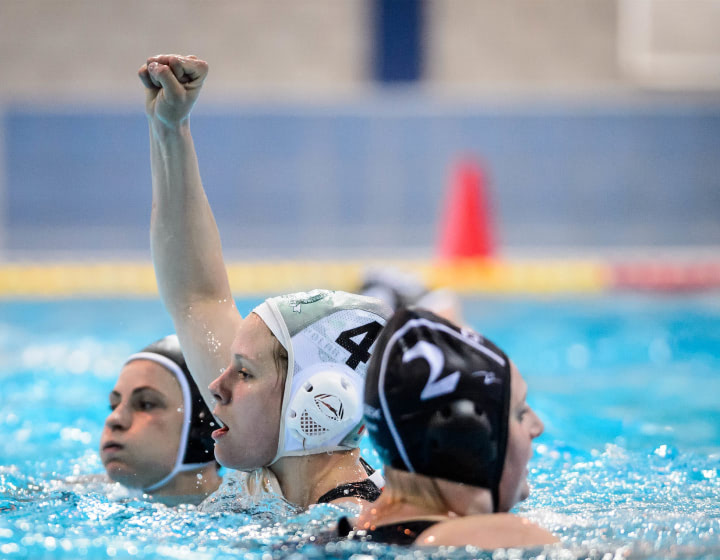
{"type": "Point", "coordinates": [294, 180]}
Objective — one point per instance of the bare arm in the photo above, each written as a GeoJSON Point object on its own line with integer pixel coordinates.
{"type": "Point", "coordinates": [185, 242]}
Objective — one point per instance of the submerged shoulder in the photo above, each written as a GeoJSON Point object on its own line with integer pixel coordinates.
{"type": "Point", "coordinates": [499, 530]}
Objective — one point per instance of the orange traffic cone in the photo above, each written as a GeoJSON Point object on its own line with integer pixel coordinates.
{"type": "Point", "coordinates": [465, 228]}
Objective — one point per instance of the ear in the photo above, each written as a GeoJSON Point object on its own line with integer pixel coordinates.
{"type": "Point", "coordinates": [458, 444]}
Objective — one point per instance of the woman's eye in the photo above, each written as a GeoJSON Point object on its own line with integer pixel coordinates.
{"type": "Point", "coordinates": [113, 406]}
{"type": "Point", "coordinates": [147, 405]}
{"type": "Point", "coordinates": [245, 374]}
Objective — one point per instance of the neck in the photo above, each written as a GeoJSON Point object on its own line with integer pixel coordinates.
{"type": "Point", "coordinates": [393, 508]}
{"type": "Point", "coordinates": [190, 487]}
{"type": "Point", "coordinates": [409, 496]}
{"type": "Point", "coordinates": [305, 479]}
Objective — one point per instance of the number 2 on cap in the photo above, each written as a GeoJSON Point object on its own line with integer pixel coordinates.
{"type": "Point", "coordinates": [434, 357]}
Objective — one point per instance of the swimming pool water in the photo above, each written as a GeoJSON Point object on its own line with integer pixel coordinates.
{"type": "Point", "coordinates": [628, 387]}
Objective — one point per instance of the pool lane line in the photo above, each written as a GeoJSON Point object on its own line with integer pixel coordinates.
{"type": "Point", "coordinates": [38, 280]}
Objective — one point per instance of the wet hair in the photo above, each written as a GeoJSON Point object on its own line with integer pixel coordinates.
{"type": "Point", "coordinates": [280, 357]}
{"type": "Point", "coordinates": [424, 489]}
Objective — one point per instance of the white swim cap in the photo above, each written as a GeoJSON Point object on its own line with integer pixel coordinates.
{"type": "Point", "coordinates": [329, 337]}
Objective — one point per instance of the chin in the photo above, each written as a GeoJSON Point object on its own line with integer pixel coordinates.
{"type": "Point", "coordinates": [227, 455]}
{"type": "Point", "coordinates": [123, 476]}
{"type": "Point", "coordinates": [229, 462]}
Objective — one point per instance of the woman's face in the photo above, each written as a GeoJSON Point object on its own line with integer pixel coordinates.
{"type": "Point", "coordinates": [524, 426]}
{"type": "Point", "coordinates": [141, 437]}
{"type": "Point", "coordinates": [248, 399]}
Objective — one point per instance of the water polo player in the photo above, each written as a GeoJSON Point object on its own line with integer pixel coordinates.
{"type": "Point", "coordinates": [400, 288]}
{"type": "Point", "coordinates": [446, 411]}
{"type": "Point", "coordinates": [291, 398]}
{"type": "Point", "coordinates": [158, 436]}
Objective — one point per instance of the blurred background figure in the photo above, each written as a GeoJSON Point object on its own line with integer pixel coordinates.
{"type": "Point", "coordinates": [399, 288]}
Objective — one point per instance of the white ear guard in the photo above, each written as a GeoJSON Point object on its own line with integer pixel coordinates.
{"type": "Point", "coordinates": [325, 403]}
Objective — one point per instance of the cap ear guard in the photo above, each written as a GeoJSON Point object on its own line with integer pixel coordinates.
{"type": "Point", "coordinates": [447, 443]}
{"type": "Point", "coordinates": [325, 406]}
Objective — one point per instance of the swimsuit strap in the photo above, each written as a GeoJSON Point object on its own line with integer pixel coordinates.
{"type": "Point", "coordinates": [374, 476]}
{"type": "Point", "coordinates": [368, 489]}
{"type": "Point", "coordinates": [365, 490]}
{"type": "Point", "coordinates": [399, 533]}
{"type": "Point", "coordinates": [403, 533]}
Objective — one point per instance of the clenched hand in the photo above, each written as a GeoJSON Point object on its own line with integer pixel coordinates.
{"type": "Point", "coordinates": [173, 84]}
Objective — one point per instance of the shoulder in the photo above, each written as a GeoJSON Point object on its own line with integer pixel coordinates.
{"type": "Point", "coordinates": [500, 530]}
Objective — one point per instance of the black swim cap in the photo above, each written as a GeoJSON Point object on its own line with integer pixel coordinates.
{"type": "Point", "coordinates": [394, 287]}
{"type": "Point", "coordinates": [196, 444]}
{"type": "Point", "coordinates": [437, 399]}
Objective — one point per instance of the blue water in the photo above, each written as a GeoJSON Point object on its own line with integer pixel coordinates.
{"type": "Point", "coordinates": [629, 465]}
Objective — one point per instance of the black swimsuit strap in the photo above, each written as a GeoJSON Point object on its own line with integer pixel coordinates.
{"type": "Point", "coordinates": [365, 490]}
{"type": "Point", "coordinates": [403, 533]}
{"type": "Point", "coordinates": [366, 466]}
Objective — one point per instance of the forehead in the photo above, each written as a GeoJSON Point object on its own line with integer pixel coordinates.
{"type": "Point", "coordinates": [253, 339]}
{"type": "Point", "coordinates": [144, 373]}
{"type": "Point", "coordinates": [518, 386]}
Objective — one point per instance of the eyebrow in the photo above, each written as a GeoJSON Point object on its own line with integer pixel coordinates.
{"type": "Point", "coordinates": [242, 359]}
{"type": "Point", "coordinates": [145, 388]}
{"type": "Point", "coordinates": [117, 395]}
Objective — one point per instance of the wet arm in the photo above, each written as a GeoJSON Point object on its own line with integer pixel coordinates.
{"type": "Point", "coordinates": [186, 248]}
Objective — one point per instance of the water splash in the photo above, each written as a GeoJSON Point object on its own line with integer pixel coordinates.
{"type": "Point", "coordinates": [628, 467]}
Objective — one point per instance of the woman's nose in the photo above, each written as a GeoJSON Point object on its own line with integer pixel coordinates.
{"type": "Point", "coordinates": [119, 419]}
{"type": "Point", "coordinates": [220, 389]}
{"type": "Point", "coordinates": [537, 427]}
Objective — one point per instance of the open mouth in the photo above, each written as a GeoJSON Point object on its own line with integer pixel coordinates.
{"type": "Point", "coordinates": [221, 431]}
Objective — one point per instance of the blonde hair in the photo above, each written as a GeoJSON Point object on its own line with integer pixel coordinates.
{"type": "Point", "coordinates": [413, 488]}
{"type": "Point", "coordinates": [280, 356]}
